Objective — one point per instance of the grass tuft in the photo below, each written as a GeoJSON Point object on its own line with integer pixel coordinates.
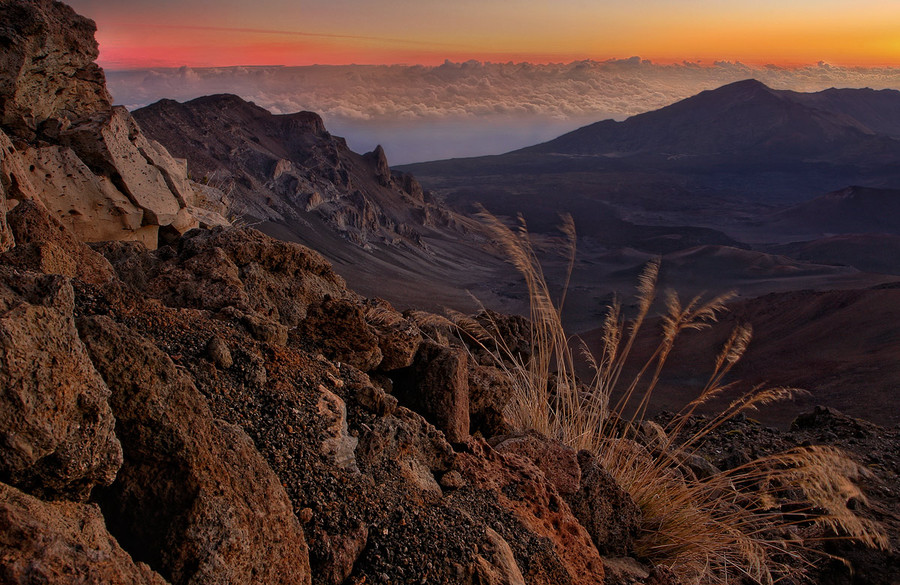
{"type": "Point", "coordinates": [707, 530]}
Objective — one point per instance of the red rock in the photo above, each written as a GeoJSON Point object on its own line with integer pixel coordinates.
{"type": "Point", "coordinates": [62, 543]}
{"type": "Point", "coordinates": [559, 462]}
{"type": "Point", "coordinates": [194, 497]}
{"type": "Point", "coordinates": [436, 386]}
{"type": "Point", "coordinates": [55, 423]}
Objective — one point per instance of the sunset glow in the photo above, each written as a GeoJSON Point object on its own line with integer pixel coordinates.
{"type": "Point", "coordinates": [269, 32]}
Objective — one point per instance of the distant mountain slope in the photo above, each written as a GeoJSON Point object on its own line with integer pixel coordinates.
{"type": "Point", "coordinates": [868, 252]}
{"type": "Point", "coordinates": [725, 159]}
{"type": "Point", "coordinates": [284, 167]}
{"type": "Point", "coordinates": [841, 346]}
{"type": "Point", "coordinates": [853, 210]}
{"type": "Point", "coordinates": [748, 118]}
{"type": "Point", "coordinates": [289, 177]}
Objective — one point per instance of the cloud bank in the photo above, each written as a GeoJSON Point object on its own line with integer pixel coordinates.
{"type": "Point", "coordinates": [472, 108]}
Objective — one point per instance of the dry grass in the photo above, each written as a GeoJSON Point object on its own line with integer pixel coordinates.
{"type": "Point", "coordinates": [708, 530]}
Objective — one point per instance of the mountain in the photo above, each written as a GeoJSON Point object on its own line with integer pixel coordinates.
{"type": "Point", "coordinates": [747, 118]}
{"type": "Point", "coordinates": [289, 177]}
{"type": "Point", "coordinates": [283, 167]}
{"type": "Point", "coordinates": [866, 252]}
{"type": "Point", "coordinates": [720, 160]}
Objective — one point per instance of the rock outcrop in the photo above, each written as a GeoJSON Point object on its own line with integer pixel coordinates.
{"type": "Point", "coordinates": [56, 427]}
{"type": "Point", "coordinates": [61, 542]}
{"type": "Point", "coordinates": [289, 169]}
{"type": "Point", "coordinates": [48, 77]}
{"type": "Point", "coordinates": [87, 161]}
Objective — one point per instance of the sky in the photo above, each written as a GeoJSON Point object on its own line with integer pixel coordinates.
{"type": "Point", "coordinates": [203, 33]}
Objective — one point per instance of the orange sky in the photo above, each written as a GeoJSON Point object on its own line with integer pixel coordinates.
{"type": "Point", "coordinates": [278, 32]}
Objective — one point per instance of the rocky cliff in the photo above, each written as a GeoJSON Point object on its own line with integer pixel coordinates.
{"type": "Point", "coordinates": [289, 168]}
{"type": "Point", "coordinates": [63, 142]}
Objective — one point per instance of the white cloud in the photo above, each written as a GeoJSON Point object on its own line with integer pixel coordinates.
{"type": "Point", "coordinates": [520, 100]}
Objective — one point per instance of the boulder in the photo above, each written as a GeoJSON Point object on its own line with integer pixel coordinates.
{"type": "Point", "coordinates": [608, 513]}
{"type": "Point", "coordinates": [436, 386]}
{"type": "Point", "coordinates": [112, 144]}
{"type": "Point", "coordinates": [398, 339]}
{"type": "Point", "coordinates": [496, 565]}
{"type": "Point", "coordinates": [45, 245]}
{"type": "Point", "coordinates": [231, 267]}
{"type": "Point", "coordinates": [559, 462]}
{"type": "Point", "coordinates": [88, 204]}
{"type": "Point", "coordinates": [404, 446]}
{"type": "Point", "coordinates": [48, 77]}
{"type": "Point", "coordinates": [338, 447]}
{"type": "Point", "coordinates": [56, 429]}
{"type": "Point", "coordinates": [551, 546]}
{"type": "Point", "coordinates": [62, 543]}
{"type": "Point", "coordinates": [194, 498]}
{"type": "Point", "coordinates": [490, 390]}
{"type": "Point", "coordinates": [338, 328]}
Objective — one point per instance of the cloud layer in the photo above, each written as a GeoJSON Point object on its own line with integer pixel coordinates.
{"type": "Point", "coordinates": [472, 108]}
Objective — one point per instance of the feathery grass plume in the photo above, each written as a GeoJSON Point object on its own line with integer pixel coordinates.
{"type": "Point", "coordinates": [708, 530]}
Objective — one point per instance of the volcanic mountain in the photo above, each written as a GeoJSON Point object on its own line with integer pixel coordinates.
{"type": "Point", "coordinates": [721, 159]}
{"type": "Point", "coordinates": [747, 118]}
{"type": "Point", "coordinates": [289, 177]}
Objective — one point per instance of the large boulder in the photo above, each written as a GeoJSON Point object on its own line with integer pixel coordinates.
{"type": "Point", "coordinates": [47, 70]}
{"type": "Point", "coordinates": [90, 205]}
{"type": "Point", "coordinates": [550, 544]}
{"type": "Point", "coordinates": [56, 428]}
{"type": "Point", "coordinates": [62, 543]}
{"type": "Point", "coordinates": [608, 513]}
{"type": "Point", "coordinates": [436, 386]}
{"type": "Point", "coordinates": [230, 267]}
{"type": "Point", "coordinates": [114, 145]}
{"type": "Point", "coordinates": [194, 498]}
{"type": "Point", "coordinates": [45, 245]}
{"type": "Point", "coordinates": [338, 328]}
{"type": "Point", "coordinates": [559, 462]}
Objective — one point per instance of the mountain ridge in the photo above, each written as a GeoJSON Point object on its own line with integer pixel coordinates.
{"type": "Point", "coordinates": [738, 118]}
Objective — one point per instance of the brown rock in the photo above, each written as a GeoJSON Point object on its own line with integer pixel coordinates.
{"type": "Point", "coordinates": [558, 462]}
{"type": "Point", "coordinates": [194, 499]}
{"type": "Point", "coordinates": [15, 180]}
{"type": "Point", "coordinates": [47, 69]}
{"type": "Point", "coordinates": [56, 428]}
{"type": "Point", "coordinates": [436, 386]}
{"type": "Point", "coordinates": [88, 204]}
{"type": "Point", "coordinates": [490, 390]}
{"type": "Point", "coordinates": [605, 509]}
{"type": "Point", "coordinates": [398, 339]}
{"type": "Point", "coordinates": [342, 551]}
{"type": "Point", "coordinates": [7, 240]}
{"type": "Point", "coordinates": [217, 351]}
{"type": "Point", "coordinates": [513, 484]}
{"type": "Point", "coordinates": [265, 330]}
{"type": "Point", "coordinates": [338, 446]}
{"type": "Point", "coordinates": [62, 543]}
{"type": "Point", "coordinates": [496, 565]}
{"type": "Point", "coordinates": [231, 267]}
{"type": "Point", "coordinates": [113, 143]}
{"type": "Point", "coordinates": [403, 446]}
{"type": "Point", "coordinates": [338, 329]}
{"type": "Point", "coordinates": [43, 244]}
